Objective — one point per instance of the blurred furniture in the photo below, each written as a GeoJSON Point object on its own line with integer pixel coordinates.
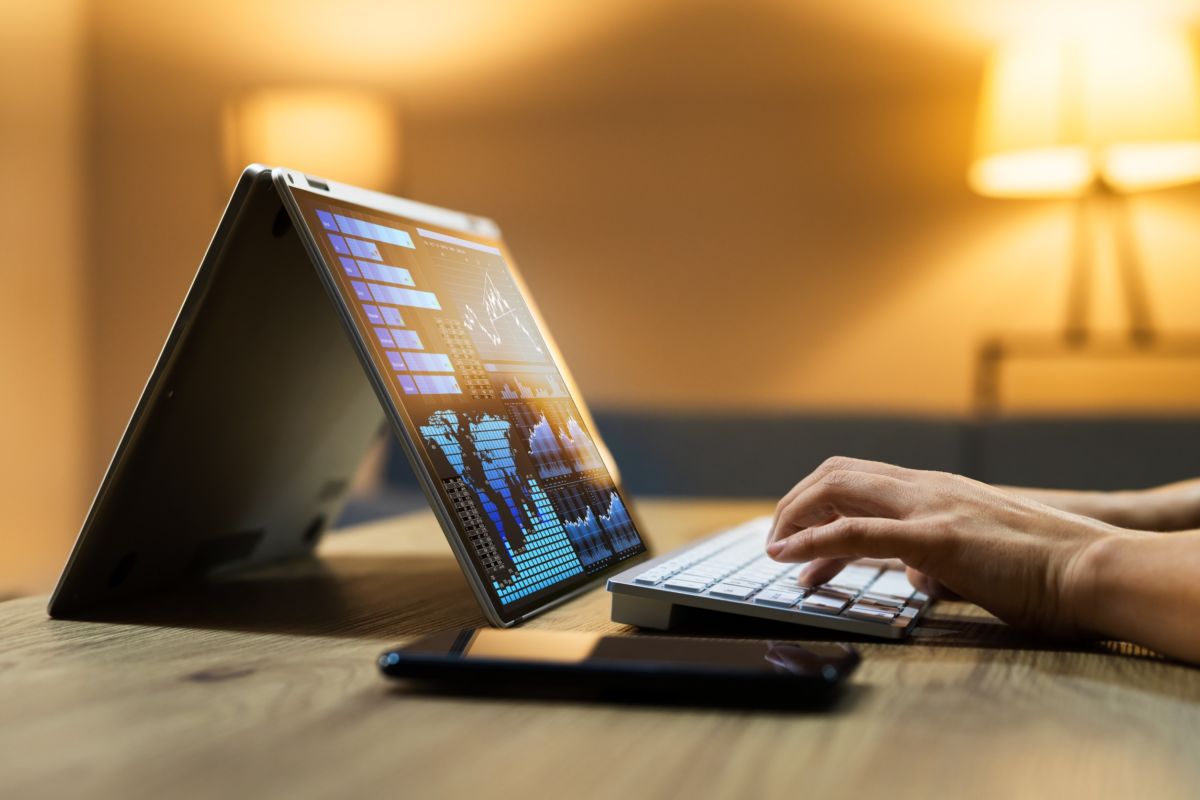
{"type": "Point", "coordinates": [1093, 115]}
{"type": "Point", "coordinates": [735, 455]}
{"type": "Point", "coordinates": [266, 686]}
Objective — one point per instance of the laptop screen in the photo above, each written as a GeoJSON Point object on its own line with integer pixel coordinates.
{"type": "Point", "coordinates": [448, 329]}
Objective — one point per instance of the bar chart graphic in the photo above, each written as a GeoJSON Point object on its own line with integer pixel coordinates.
{"type": "Point", "coordinates": [478, 450]}
{"type": "Point", "coordinates": [332, 221]}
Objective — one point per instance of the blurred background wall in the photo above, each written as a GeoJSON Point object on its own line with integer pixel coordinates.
{"type": "Point", "coordinates": [47, 419]}
{"type": "Point", "coordinates": [750, 207]}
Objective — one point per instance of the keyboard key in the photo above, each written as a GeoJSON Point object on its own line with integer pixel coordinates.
{"type": "Point", "coordinates": [886, 604]}
{"type": "Point", "coordinates": [705, 569]}
{"type": "Point", "coordinates": [779, 598]}
{"type": "Point", "coordinates": [892, 582]}
{"type": "Point", "coordinates": [736, 581]}
{"type": "Point", "coordinates": [870, 611]}
{"type": "Point", "coordinates": [686, 585]}
{"type": "Point", "coordinates": [700, 577]}
{"type": "Point", "coordinates": [855, 578]}
{"type": "Point", "coordinates": [883, 599]}
{"type": "Point", "coordinates": [825, 602]}
{"type": "Point", "coordinates": [652, 577]}
{"type": "Point", "coordinates": [834, 591]}
{"type": "Point", "coordinates": [732, 590]}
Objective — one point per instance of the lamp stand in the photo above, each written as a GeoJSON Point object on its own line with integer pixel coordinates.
{"type": "Point", "coordinates": [1115, 208]}
{"type": "Point", "coordinates": [1077, 340]}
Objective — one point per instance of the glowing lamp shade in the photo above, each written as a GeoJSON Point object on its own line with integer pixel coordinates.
{"type": "Point", "coordinates": [1058, 113]}
{"type": "Point", "coordinates": [348, 135]}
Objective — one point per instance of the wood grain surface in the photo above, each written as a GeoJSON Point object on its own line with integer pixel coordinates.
{"type": "Point", "coordinates": [265, 686]}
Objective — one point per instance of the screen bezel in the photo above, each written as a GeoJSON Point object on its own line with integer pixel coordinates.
{"type": "Point", "coordinates": [290, 181]}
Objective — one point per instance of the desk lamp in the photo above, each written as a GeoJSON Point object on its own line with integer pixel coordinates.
{"type": "Point", "coordinates": [1090, 116]}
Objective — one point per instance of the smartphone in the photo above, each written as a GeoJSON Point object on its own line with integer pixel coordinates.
{"type": "Point", "coordinates": [666, 669]}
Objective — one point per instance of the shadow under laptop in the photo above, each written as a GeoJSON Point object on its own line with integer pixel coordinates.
{"type": "Point", "coordinates": [345, 596]}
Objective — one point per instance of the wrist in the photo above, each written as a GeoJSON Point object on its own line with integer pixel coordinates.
{"type": "Point", "coordinates": [1092, 582]}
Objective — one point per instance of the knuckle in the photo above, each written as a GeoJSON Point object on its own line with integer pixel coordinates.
{"type": "Point", "coordinates": [943, 526]}
{"type": "Point", "coordinates": [836, 464]}
{"type": "Point", "coordinates": [839, 478]}
{"type": "Point", "coordinates": [822, 501]}
{"type": "Point", "coordinates": [843, 528]}
{"type": "Point", "coordinates": [834, 527]}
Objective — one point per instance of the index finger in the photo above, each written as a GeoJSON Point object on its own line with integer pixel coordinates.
{"type": "Point", "coordinates": [831, 464]}
{"type": "Point", "coordinates": [850, 538]}
{"type": "Point", "coordinates": [845, 494]}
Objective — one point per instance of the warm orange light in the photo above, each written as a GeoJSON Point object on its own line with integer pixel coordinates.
{"type": "Point", "coordinates": [349, 135]}
{"type": "Point", "coordinates": [1113, 102]}
{"type": "Point", "coordinates": [1043, 172]}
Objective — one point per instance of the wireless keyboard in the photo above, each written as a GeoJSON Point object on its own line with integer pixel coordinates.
{"type": "Point", "coordinates": [730, 571]}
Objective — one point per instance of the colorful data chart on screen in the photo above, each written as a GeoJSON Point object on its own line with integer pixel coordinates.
{"type": "Point", "coordinates": [519, 470]}
{"type": "Point", "coordinates": [596, 521]}
{"type": "Point", "coordinates": [528, 385]}
{"type": "Point", "coordinates": [531, 534]}
{"type": "Point", "coordinates": [556, 440]}
{"type": "Point", "coordinates": [378, 260]}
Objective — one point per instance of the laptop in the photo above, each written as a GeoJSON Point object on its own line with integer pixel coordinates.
{"type": "Point", "coordinates": [324, 316]}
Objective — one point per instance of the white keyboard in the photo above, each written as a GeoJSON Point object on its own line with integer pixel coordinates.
{"type": "Point", "coordinates": [731, 572]}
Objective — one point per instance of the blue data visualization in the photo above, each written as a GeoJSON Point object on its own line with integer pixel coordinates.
{"type": "Point", "coordinates": [562, 450]}
{"type": "Point", "coordinates": [449, 331]}
{"type": "Point", "coordinates": [532, 536]}
{"type": "Point", "coordinates": [599, 527]}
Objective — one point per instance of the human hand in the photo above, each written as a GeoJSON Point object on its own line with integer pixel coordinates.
{"type": "Point", "coordinates": [1018, 558]}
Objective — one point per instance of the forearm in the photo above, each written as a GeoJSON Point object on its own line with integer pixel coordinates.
{"type": "Point", "coordinates": [1143, 589]}
{"type": "Point", "coordinates": [1173, 507]}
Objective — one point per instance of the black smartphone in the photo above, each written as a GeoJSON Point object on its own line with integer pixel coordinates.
{"type": "Point", "coordinates": [592, 666]}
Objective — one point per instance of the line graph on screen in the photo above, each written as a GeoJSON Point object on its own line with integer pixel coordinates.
{"type": "Point", "coordinates": [499, 322]}
{"type": "Point", "coordinates": [529, 387]}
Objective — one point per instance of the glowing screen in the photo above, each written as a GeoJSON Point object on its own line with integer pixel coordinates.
{"type": "Point", "coordinates": [447, 325]}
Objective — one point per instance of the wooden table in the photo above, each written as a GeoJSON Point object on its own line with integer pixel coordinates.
{"type": "Point", "coordinates": [266, 686]}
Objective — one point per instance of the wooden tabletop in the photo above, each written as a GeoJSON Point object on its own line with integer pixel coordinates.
{"type": "Point", "coordinates": [266, 686]}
